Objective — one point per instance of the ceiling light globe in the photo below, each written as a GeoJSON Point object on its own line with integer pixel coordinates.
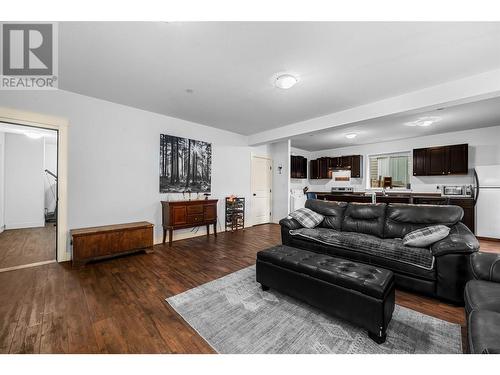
{"type": "Point", "coordinates": [425, 123]}
{"type": "Point", "coordinates": [285, 81]}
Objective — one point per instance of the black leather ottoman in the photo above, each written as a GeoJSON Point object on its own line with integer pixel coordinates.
{"type": "Point", "coordinates": [359, 293]}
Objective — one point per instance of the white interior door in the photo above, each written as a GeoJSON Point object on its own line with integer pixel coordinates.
{"type": "Point", "coordinates": [261, 190]}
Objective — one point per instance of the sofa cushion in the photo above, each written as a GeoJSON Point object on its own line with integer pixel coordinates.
{"type": "Point", "coordinates": [426, 236]}
{"type": "Point", "coordinates": [365, 218]}
{"type": "Point", "coordinates": [307, 218]}
{"type": "Point", "coordinates": [332, 211]}
{"type": "Point", "coordinates": [392, 249]}
{"type": "Point", "coordinates": [402, 219]}
{"type": "Point", "coordinates": [483, 331]}
{"type": "Point", "coordinates": [482, 295]}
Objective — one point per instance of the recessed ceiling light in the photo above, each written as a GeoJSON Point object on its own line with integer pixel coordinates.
{"type": "Point", "coordinates": [351, 135]}
{"type": "Point", "coordinates": [424, 121]}
{"type": "Point", "coordinates": [285, 81]}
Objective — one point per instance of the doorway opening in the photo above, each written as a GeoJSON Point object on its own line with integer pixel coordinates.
{"type": "Point", "coordinates": [261, 189]}
{"type": "Point", "coordinates": [28, 196]}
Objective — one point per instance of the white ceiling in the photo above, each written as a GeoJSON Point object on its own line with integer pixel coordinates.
{"type": "Point", "coordinates": [228, 66]}
{"type": "Point", "coordinates": [461, 117]}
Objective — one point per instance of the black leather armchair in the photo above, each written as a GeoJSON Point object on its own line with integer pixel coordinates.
{"type": "Point", "coordinates": [482, 303]}
{"type": "Point", "coordinates": [451, 255]}
{"type": "Point", "coordinates": [459, 241]}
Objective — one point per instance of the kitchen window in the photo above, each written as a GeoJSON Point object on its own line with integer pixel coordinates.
{"type": "Point", "coordinates": [390, 170]}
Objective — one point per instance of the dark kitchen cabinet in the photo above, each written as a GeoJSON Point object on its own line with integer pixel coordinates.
{"type": "Point", "coordinates": [419, 159]}
{"type": "Point", "coordinates": [336, 162]}
{"type": "Point", "coordinates": [437, 161]}
{"type": "Point", "coordinates": [442, 160]}
{"type": "Point", "coordinates": [324, 170]}
{"type": "Point", "coordinates": [356, 166]}
{"type": "Point", "coordinates": [346, 162]}
{"type": "Point", "coordinates": [314, 169]}
{"type": "Point", "coordinates": [458, 159]}
{"type": "Point", "coordinates": [467, 205]}
{"type": "Point", "coordinates": [320, 169]}
{"type": "Point", "coordinates": [298, 166]}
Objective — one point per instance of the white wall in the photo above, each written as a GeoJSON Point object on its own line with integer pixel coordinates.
{"type": "Point", "coordinates": [280, 153]}
{"type": "Point", "coordinates": [2, 181]}
{"type": "Point", "coordinates": [113, 166]}
{"type": "Point", "coordinates": [484, 149]}
{"type": "Point", "coordinates": [50, 163]}
{"type": "Point", "coordinates": [24, 188]}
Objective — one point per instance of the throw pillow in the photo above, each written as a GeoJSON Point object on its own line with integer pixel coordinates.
{"type": "Point", "coordinates": [426, 236]}
{"type": "Point", "coordinates": [307, 218]}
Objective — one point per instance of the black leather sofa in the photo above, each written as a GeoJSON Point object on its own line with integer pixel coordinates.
{"type": "Point", "coordinates": [372, 234]}
{"type": "Point", "coordinates": [482, 304]}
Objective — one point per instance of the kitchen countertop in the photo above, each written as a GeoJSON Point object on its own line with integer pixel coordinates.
{"type": "Point", "coordinates": [391, 194]}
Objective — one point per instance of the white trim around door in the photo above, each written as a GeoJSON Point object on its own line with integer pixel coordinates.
{"type": "Point", "coordinates": [15, 116]}
{"type": "Point", "coordinates": [261, 189]}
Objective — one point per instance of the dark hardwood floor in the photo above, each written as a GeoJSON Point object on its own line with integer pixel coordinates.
{"type": "Point", "coordinates": [118, 306]}
{"type": "Point", "coordinates": [25, 246]}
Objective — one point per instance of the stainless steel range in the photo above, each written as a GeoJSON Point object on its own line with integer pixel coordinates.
{"type": "Point", "coordinates": [342, 189]}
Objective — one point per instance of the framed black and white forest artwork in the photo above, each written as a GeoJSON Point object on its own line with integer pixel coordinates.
{"type": "Point", "coordinates": [185, 165]}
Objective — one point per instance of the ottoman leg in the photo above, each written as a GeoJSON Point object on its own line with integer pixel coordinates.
{"type": "Point", "coordinates": [379, 339]}
{"type": "Point", "coordinates": [264, 287]}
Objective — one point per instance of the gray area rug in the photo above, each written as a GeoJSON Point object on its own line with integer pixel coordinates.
{"type": "Point", "coordinates": [235, 316]}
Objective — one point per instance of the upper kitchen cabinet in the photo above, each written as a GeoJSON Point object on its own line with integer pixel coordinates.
{"type": "Point", "coordinates": [314, 169]}
{"type": "Point", "coordinates": [322, 168]}
{"type": "Point", "coordinates": [356, 166]}
{"type": "Point", "coordinates": [298, 166]}
{"type": "Point", "coordinates": [442, 160]}
{"type": "Point", "coordinates": [437, 162]}
{"type": "Point", "coordinates": [336, 162]}
{"type": "Point", "coordinates": [419, 161]}
{"type": "Point", "coordinates": [458, 156]}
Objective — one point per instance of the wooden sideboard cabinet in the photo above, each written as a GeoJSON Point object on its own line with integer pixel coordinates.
{"type": "Point", "coordinates": [188, 214]}
{"type": "Point", "coordinates": [110, 240]}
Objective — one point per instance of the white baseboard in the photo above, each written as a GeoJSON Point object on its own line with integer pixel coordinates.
{"type": "Point", "coordinates": [35, 224]}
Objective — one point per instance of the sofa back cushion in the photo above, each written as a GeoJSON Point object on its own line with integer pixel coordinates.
{"type": "Point", "coordinates": [332, 211]}
{"type": "Point", "coordinates": [365, 218]}
{"type": "Point", "coordinates": [402, 219]}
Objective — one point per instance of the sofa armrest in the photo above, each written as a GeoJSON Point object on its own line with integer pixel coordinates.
{"type": "Point", "coordinates": [485, 266]}
{"type": "Point", "coordinates": [459, 241]}
{"type": "Point", "coordinates": [290, 223]}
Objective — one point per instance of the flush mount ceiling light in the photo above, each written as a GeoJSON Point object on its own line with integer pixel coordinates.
{"type": "Point", "coordinates": [285, 81]}
{"type": "Point", "coordinates": [351, 135]}
{"type": "Point", "coordinates": [424, 121]}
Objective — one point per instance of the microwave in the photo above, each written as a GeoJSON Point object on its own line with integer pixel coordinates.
{"type": "Point", "coordinates": [463, 190]}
